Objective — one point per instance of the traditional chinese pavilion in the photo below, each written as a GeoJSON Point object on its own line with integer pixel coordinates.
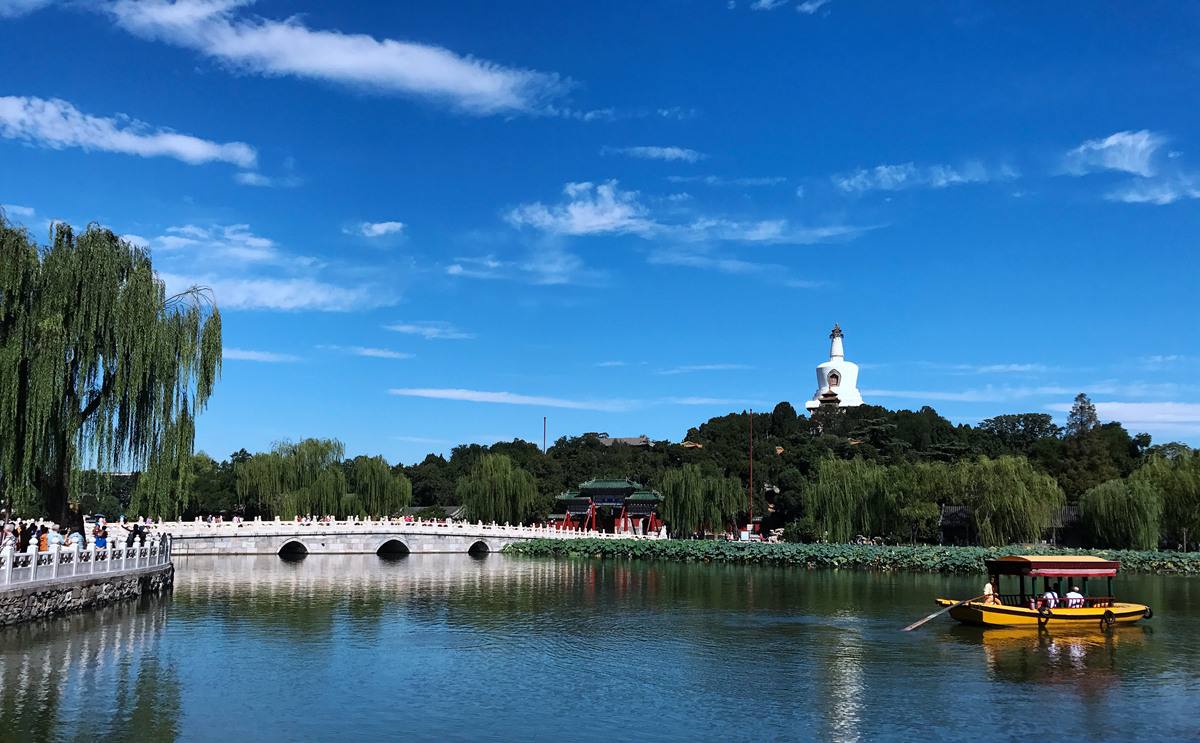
{"type": "Point", "coordinates": [612, 506]}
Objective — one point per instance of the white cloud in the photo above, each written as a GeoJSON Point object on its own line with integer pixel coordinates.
{"type": "Point", "coordinates": [657, 153]}
{"type": "Point", "coordinates": [909, 175]}
{"type": "Point", "coordinates": [1166, 415]}
{"type": "Point", "coordinates": [705, 259]}
{"type": "Point", "coordinates": [716, 180]}
{"type": "Point", "coordinates": [430, 330]}
{"type": "Point", "coordinates": [375, 229]}
{"type": "Point", "coordinates": [991, 393]}
{"type": "Point", "coordinates": [14, 8]}
{"type": "Point", "coordinates": [235, 242]}
{"type": "Point", "coordinates": [16, 210]}
{"type": "Point", "coordinates": [243, 293]}
{"type": "Point", "coordinates": [378, 353]}
{"type": "Point", "coordinates": [709, 401]}
{"type": "Point", "coordinates": [611, 364]}
{"type": "Point", "coordinates": [1128, 152]}
{"type": "Point", "coordinates": [57, 124]}
{"type": "Point", "coordinates": [1014, 368]}
{"type": "Point", "coordinates": [289, 47]}
{"type": "Point", "coordinates": [241, 354]}
{"type": "Point", "coordinates": [511, 398]}
{"type": "Point", "coordinates": [767, 4]}
{"type": "Point", "coordinates": [591, 209]}
{"type": "Point", "coordinates": [808, 7]}
{"type": "Point", "coordinates": [1159, 191]}
{"type": "Point", "coordinates": [691, 368]}
{"type": "Point", "coordinates": [136, 241]}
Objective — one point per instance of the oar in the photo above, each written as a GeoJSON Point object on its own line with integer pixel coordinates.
{"type": "Point", "coordinates": [939, 612]}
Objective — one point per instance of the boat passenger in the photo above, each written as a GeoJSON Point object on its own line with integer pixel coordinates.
{"type": "Point", "coordinates": [1050, 598]}
{"type": "Point", "coordinates": [1074, 598]}
{"type": "Point", "coordinates": [989, 594]}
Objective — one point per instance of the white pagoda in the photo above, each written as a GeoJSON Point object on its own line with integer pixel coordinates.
{"type": "Point", "coordinates": [837, 379]}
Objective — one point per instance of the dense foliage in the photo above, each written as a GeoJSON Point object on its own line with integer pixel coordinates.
{"type": "Point", "coordinates": [694, 502]}
{"type": "Point", "coordinates": [497, 490]}
{"type": "Point", "coordinates": [311, 477]}
{"type": "Point", "coordinates": [925, 558]}
{"type": "Point", "coordinates": [97, 364]}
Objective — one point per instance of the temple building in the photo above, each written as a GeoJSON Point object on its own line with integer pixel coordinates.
{"type": "Point", "coordinates": [621, 506]}
{"type": "Point", "coordinates": [837, 379]}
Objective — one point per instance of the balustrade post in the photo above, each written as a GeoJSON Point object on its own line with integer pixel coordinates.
{"type": "Point", "coordinates": [92, 558]}
{"type": "Point", "coordinates": [7, 556]}
{"type": "Point", "coordinates": [33, 560]}
{"type": "Point", "coordinates": [55, 552]}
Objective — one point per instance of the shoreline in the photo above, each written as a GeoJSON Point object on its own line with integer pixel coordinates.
{"type": "Point", "coordinates": [901, 558]}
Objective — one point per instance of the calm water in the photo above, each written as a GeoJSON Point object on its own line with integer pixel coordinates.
{"type": "Point", "coordinates": [458, 648]}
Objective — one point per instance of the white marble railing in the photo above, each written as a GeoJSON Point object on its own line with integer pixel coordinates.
{"type": "Point", "coordinates": [192, 529]}
{"type": "Point", "coordinates": [22, 569]}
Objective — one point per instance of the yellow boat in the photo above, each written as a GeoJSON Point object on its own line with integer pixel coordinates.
{"type": "Point", "coordinates": [1051, 606]}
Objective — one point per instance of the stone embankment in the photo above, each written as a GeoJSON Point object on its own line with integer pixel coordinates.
{"type": "Point", "coordinates": [57, 596]}
{"type": "Point", "coordinates": [36, 585]}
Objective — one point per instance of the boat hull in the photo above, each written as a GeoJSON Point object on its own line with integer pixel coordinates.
{"type": "Point", "coordinates": [994, 615]}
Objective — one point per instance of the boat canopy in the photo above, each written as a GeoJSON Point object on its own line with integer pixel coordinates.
{"type": "Point", "coordinates": [1053, 566]}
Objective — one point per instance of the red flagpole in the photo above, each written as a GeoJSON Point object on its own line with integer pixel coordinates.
{"type": "Point", "coordinates": [750, 523]}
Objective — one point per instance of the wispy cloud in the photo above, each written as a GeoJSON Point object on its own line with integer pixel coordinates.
{"type": "Point", "coordinates": [989, 393]}
{"type": "Point", "coordinates": [692, 368]}
{"type": "Point", "coordinates": [1127, 152]}
{"type": "Point", "coordinates": [248, 178]}
{"type": "Point", "coordinates": [430, 330]}
{"type": "Point", "coordinates": [219, 30]}
{"type": "Point", "coordinates": [704, 258]}
{"type": "Point", "coordinates": [270, 357]}
{"type": "Point", "coordinates": [767, 4]}
{"type": "Point", "coordinates": [375, 229]}
{"type": "Point", "coordinates": [16, 210]}
{"type": "Point", "coordinates": [14, 8]}
{"type": "Point", "coordinates": [235, 242]}
{"type": "Point", "coordinates": [808, 7]}
{"type": "Point", "coordinates": [245, 293]}
{"type": "Point", "coordinates": [369, 352]}
{"type": "Point", "coordinates": [656, 153]}
{"type": "Point", "coordinates": [716, 180]}
{"type": "Point", "coordinates": [511, 398]}
{"type": "Point", "coordinates": [605, 208]}
{"type": "Point", "coordinates": [1173, 416]}
{"type": "Point", "coordinates": [1159, 192]}
{"type": "Point", "coordinates": [909, 175]}
{"type": "Point", "coordinates": [56, 124]}
{"type": "Point", "coordinates": [611, 364]}
{"type": "Point", "coordinates": [710, 401]}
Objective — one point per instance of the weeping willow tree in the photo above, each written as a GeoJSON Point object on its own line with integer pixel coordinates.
{"type": "Point", "coordinates": [296, 479]}
{"type": "Point", "coordinates": [1123, 514]}
{"type": "Point", "coordinates": [98, 364]}
{"type": "Point", "coordinates": [497, 490]}
{"type": "Point", "coordinates": [1010, 500]}
{"type": "Point", "coordinates": [846, 498]}
{"type": "Point", "coordinates": [694, 502]}
{"type": "Point", "coordinates": [376, 490]}
{"type": "Point", "coordinates": [1177, 480]}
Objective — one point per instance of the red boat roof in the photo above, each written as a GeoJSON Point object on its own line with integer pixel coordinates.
{"type": "Point", "coordinates": [1053, 566]}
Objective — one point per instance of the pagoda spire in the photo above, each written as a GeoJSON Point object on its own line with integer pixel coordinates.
{"type": "Point", "coordinates": [835, 343]}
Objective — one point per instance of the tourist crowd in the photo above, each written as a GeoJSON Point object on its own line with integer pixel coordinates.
{"type": "Point", "coordinates": [20, 535]}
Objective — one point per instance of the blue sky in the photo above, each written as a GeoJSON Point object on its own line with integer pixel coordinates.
{"type": "Point", "coordinates": [432, 224]}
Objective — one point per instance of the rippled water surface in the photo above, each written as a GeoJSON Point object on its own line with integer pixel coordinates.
{"type": "Point", "coordinates": [435, 647]}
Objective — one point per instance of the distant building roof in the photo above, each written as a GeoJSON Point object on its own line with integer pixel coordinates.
{"type": "Point", "coordinates": [692, 445]}
{"type": "Point", "coordinates": [642, 440]}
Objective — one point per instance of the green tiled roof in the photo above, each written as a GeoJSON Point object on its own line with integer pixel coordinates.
{"type": "Point", "coordinates": [622, 484]}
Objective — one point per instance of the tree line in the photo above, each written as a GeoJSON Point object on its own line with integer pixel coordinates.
{"type": "Point", "coordinates": [831, 477]}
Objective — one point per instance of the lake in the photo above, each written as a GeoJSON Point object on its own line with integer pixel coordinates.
{"type": "Point", "coordinates": [450, 647]}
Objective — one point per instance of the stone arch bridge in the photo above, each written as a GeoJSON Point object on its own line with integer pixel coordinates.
{"type": "Point", "coordinates": [395, 537]}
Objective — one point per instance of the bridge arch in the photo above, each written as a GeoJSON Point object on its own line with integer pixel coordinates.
{"type": "Point", "coordinates": [292, 549]}
{"type": "Point", "coordinates": [392, 547]}
{"type": "Point", "coordinates": [479, 548]}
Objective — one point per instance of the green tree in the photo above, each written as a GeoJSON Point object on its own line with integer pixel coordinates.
{"type": "Point", "coordinates": [1010, 500]}
{"type": "Point", "coordinates": [847, 498]}
{"type": "Point", "coordinates": [1082, 417]}
{"type": "Point", "coordinates": [497, 490]}
{"type": "Point", "coordinates": [378, 490]}
{"type": "Point", "coordinates": [694, 503]}
{"type": "Point", "coordinates": [296, 479]}
{"type": "Point", "coordinates": [1177, 481]}
{"type": "Point", "coordinates": [1019, 434]}
{"type": "Point", "coordinates": [97, 363]}
{"type": "Point", "coordinates": [1123, 514]}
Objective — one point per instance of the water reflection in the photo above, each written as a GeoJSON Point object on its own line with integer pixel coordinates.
{"type": "Point", "coordinates": [455, 647]}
